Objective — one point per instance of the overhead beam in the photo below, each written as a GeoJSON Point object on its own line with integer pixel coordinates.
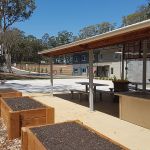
{"type": "Point", "coordinates": [85, 47]}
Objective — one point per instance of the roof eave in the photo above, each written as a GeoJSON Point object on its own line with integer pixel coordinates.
{"type": "Point", "coordinates": [123, 30]}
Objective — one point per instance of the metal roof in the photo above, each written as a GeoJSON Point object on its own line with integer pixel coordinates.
{"type": "Point", "coordinates": [128, 33]}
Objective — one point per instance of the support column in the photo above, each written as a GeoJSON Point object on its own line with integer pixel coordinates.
{"type": "Point", "coordinates": [91, 104]}
{"type": "Point", "coordinates": [51, 74]}
{"type": "Point", "coordinates": [144, 64]}
{"type": "Point", "coordinates": [122, 59]}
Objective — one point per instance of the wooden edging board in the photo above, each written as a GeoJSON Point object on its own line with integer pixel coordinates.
{"type": "Point", "coordinates": [9, 94]}
{"type": "Point", "coordinates": [14, 120]}
{"type": "Point", "coordinates": [30, 142]}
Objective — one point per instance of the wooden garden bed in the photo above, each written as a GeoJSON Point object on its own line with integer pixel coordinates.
{"type": "Point", "coordinates": [8, 93]}
{"type": "Point", "coordinates": [68, 135]}
{"type": "Point", "coordinates": [24, 111]}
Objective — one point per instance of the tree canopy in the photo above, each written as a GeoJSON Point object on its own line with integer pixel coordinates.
{"type": "Point", "coordinates": [141, 14]}
{"type": "Point", "coordinates": [15, 11]}
{"type": "Point", "coordinates": [12, 11]}
{"type": "Point", "coordinates": [24, 48]}
{"type": "Point", "coordinates": [93, 30]}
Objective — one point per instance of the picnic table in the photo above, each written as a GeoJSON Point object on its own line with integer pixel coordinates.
{"type": "Point", "coordinates": [86, 91]}
{"type": "Point", "coordinates": [135, 84]}
{"type": "Point", "coordinates": [94, 85]}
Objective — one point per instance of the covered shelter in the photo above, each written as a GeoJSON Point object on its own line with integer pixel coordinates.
{"type": "Point", "coordinates": [136, 32]}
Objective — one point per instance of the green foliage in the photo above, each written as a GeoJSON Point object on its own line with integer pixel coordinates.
{"type": "Point", "coordinates": [38, 69]}
{"type": "Point", "coordinates": [45, 40]}
{"type": "Point", "coordinates": [24, 48]}
{"type": "Point", "coordinates": [52, 42]}
{"type": "Point", "coordinates": [93, 30]}
{"type": "Point", "coordinates": [2, 60]}
{"type": "Point", "coordinates": [64, 37]}
{"type": "Point", "coordinates": [142, 13]}
{"type": "Point", "coordinates": [12, 11]}
{"type": "Point", "coordinates": [35, 69]}
{"type": "Point", "coordinates": [15, 11]}
{"type": "Point", "coordinates": [11, 39]}
{"type": "Point", "coordinates": [46, 70]}
{"type": "Point", "coordinates": [102, 78]}
{"type": "Point", "coordinates": [114, 79]}
{"type": "Point", "coordinates": [42, 70]}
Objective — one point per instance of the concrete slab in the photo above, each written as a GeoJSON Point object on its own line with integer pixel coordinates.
{"type": "Point", "coordinates": [132, 136]}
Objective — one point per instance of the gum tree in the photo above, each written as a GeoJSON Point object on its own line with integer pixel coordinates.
{"type": "Point", "coordinates": [10, 41]}
{"type": "Point", "coordinates": [12, 11]}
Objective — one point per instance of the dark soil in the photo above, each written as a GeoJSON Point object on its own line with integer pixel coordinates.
{"type": "Point", "coordinates": [71, 136]}
{"type": "Point", "coordinates": [6, 90]}
{"type": "Point", "coordinates": [22, 103]}
{"type": "Point", "coordinates": [145, 95]}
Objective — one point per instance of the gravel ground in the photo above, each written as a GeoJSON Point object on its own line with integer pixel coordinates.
{"type": "Point", "coordinates": [71, 136]}
{"type": "Point", "coordinates": [6, 144]}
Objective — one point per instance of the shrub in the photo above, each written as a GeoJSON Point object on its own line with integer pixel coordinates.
{"type": "Point", "coordinates": [42, 70]}
{"type": "Point", "coordinates": [46, 70]}
{"type": "Point", "coordinates": [35, 69]}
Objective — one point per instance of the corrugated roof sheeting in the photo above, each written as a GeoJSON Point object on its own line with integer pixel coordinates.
{"type": "Point", "coordinates": [129, 33]}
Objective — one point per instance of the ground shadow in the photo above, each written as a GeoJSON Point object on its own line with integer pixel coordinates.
{"type": "Point", "coordinates": [106, 105]}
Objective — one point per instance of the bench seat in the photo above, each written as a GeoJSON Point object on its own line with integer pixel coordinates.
{"type": "Point", "coordinates": [80, 92]}
{"type": "Point", "coordinates": [100, 92]}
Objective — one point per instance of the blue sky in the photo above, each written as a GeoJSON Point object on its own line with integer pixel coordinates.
{"type": "Point", "coordinates": [52, 16]}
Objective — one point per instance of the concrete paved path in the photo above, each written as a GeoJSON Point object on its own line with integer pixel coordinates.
{"type": "Point", "coordinates": [132, 136]}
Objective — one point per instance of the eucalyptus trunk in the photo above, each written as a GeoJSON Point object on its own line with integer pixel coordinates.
{"type": "Point", "coordinates": [8, 62]}
{"type": "Point", "coordinates": [7, 59]}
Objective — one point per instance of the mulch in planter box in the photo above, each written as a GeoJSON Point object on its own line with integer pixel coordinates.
{"type": "Point", "coordinates": [66, 136]}
{"type": "Point", "coordinates": [23, 103]}
{"type": "Point", "coordinates": [24, 111]}
{"type": "Point", "coordinates": [8, 92]}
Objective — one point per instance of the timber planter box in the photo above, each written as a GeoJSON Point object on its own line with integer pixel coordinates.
{"type": "Point", "coordinates": [24, 111]}
{"type": "Point", "coordinates": [8, 93]}
{"type": "Point", "coordinates": [121, 86]}
{"type": "Point", "coordinates": [66, 136]}
{"type": "Point", "coordinates": [134, 107]}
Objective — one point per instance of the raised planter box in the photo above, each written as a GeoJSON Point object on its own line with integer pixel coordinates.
{"type": "Point", "coordinates": [24, 111]}
{"type": "Point", "coordinates": [8, 93]}
{"type": "Point", "coordinates": [66, 136]}
{"type": "Point", "coordinates": [134, 107]}
{"type": "Point", "coordinates": [121, 86]}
